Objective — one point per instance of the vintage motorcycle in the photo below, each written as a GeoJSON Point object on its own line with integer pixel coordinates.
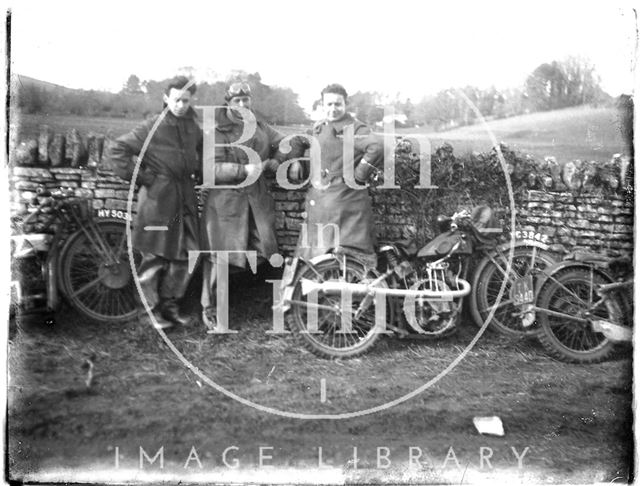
{"type": "Point", "coordinates": [339, 304]}
{"type": "Point", "coordinates": [65, 247]}
{"type": "Point", "coordinates": [585, 307]}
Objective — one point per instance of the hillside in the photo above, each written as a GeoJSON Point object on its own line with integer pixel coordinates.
{"type": "Point", "coordinates": [22, 80]}
{"type": "Point", "coordinates": [572, 133]}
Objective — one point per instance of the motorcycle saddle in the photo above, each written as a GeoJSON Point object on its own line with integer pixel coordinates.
{"type": "Point", "coordinates": [482, 217]}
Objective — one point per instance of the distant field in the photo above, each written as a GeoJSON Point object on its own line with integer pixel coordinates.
{"type": "Point", "coordinates": [28, 126]}
{"type": "Point", "coordinates": [573, 133]}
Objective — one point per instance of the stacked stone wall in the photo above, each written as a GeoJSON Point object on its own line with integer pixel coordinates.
{"type": "Point", "coordinates": [578, 205]}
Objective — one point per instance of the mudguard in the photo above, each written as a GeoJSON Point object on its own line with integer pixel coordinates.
{"type": "Point", "coordinates": [521, 243]}
{"type": "Point", "coordinates": [561, 265]}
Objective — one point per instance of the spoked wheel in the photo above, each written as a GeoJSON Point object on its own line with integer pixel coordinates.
{"type": "Point", "coordinates": [488, 279]}
{"type": "Point", "coordinates": [567, 334]}
{"type": "Point", "coordinates": [321, 320]}
{"type": "Point", "coordinates": [96, 275]}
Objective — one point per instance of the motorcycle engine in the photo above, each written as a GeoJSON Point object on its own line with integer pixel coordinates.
{"type": "Point", "coordinates": [430, 316]}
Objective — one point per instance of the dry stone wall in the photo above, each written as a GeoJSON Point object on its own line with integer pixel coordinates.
{"type": "Point", "coordinates": [580, 221]}
{"type": "Point", "coordinates": [573, 210]}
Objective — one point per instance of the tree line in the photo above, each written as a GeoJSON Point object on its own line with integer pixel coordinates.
{"type": "Point", "coordinates": [550, 86]}
{"type": "Point", "coordinates": [558, 84]}
{"type": "Point", "coordinates": [141, 98]}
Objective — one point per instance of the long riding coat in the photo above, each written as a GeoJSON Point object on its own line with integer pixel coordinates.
{"type": "Point", "coordinates": [228, 212]}
{"type": "Point", "coordinates": [339, 215]}
{"type": "Point", "coordinates": [167, 175]}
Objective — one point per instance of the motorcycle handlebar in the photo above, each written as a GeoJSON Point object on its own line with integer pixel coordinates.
{"type": "Point", "coordinates": [457, 217]}
{"type": "Point", "coordinates": [460, 215]}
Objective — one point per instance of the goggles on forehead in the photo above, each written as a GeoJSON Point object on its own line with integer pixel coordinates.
{"type": "Point", "coordinates": [238, 89]}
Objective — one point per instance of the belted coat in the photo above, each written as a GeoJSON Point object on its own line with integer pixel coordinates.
{"type": "Point", "coordinates": [167, 175]}
{"type": "Point", "coordinates": [228, 212]}
{"type": "Point", "coordinates": [337, 214]}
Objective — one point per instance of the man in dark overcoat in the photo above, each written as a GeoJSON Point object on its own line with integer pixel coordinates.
{"type": "Point", "coordinates": [166, 224]}
{"type": "Point", "coordinates": [239, 218]}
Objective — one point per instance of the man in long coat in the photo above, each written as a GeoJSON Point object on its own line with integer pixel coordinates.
{"type": "Point", "coordinates": [339, 215]}
{"type": "Point", "coordinates": [166, 224]}
{"type": "Point", "coordinates": [242, 218]}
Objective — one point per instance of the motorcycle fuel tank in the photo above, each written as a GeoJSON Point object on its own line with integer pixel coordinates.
{"type": "Point", "coordinates": [443, 243]}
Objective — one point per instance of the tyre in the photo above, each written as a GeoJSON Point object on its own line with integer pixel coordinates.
{"type": "Point", "coordinates": [571, 292]}
{"type": "Point", "coordinates": [332, 339]}
{"type": "Point", "coordinates": [97, 287]}
{"type": "Point", "coordinates": [487, 280]}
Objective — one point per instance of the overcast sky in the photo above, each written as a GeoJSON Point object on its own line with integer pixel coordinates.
{"type": "Point", "coordinates": [395, 46]}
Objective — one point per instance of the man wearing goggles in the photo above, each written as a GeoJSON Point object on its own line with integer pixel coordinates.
{"type": "Point", "coordinates": [242, 218]}
{"type": "Point", "coordinates": [238, 90]}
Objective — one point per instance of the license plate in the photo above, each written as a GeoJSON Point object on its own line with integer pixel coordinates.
{"type": "Point", "coordinates": [522, 290]}
{"type": "Point", "coordinates": [112, 213]}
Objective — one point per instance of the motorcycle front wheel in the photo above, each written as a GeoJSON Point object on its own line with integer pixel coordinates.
{"type": "Point", "coordinates": [566, 334]}
{"type": "Point", "coordinates": [319, 319]}
{"type": "Point", "coordinates": [95, 284]}
{"type": "Point", "coordinates": [487, 281]}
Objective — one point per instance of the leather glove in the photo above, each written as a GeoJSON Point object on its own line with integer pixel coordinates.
{"type": "Point", "coordinates": [363, 171]}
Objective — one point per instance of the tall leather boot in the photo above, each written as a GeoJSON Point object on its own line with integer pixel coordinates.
{"type": "Point", "coordinates": [170, 311]}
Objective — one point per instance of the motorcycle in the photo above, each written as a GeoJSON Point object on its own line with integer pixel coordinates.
{"type": "Point", "coordinates": [339, 303]}
{"type": "Point", "coordinates": [585, 307]}
{"type": "Point", "coordinates": [66, 248]}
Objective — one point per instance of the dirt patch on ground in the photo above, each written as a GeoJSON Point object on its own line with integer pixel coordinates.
{"type": "Point", "coordinates": [576, 421]}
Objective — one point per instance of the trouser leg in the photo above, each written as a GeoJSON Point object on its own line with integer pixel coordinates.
{"type": "Point", "coordinates": [172, 287]}
{"type": "Point", "coordinates": [162, 279]}
{"type": "Point", "coordinates": [149, 274]}
{"type": "Point", "coordinates": [209, 283]}
{"type": "Point", "coordinates": [205, 296]}
{"type": "Point", "coordinates": [215, 294]}
{"type": "Point", "coordinates": [176, 278]}
{"type": "Point", "coordinates": [219, 287]}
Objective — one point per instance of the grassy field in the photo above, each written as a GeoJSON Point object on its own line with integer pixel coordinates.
{"type": "Point", "coordinates": [573, 133]}
{"type": "Point", "coordinates": [575, 420]}
{"type": "Point", "coordinates": [26, 126]}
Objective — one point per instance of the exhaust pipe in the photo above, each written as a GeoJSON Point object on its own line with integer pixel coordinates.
{"type": "Point", "coordinates": [336, 287]}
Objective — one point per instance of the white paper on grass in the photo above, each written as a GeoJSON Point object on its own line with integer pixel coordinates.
{"type": "Point", "coordinates": [489, 425]}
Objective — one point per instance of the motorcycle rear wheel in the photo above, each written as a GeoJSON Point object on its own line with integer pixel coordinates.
{"type": "Point", "coordinates": [487, 280]}
{"type": "Point", "coordinates": [99, 290]}
{"type": "Point", "coordinates": [328, 341]}
{"type": "Point", "coordinates": [571, 292]}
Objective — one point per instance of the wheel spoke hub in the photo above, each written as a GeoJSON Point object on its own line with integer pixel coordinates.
{"type": "Point", "coordinates": [115, 276]}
